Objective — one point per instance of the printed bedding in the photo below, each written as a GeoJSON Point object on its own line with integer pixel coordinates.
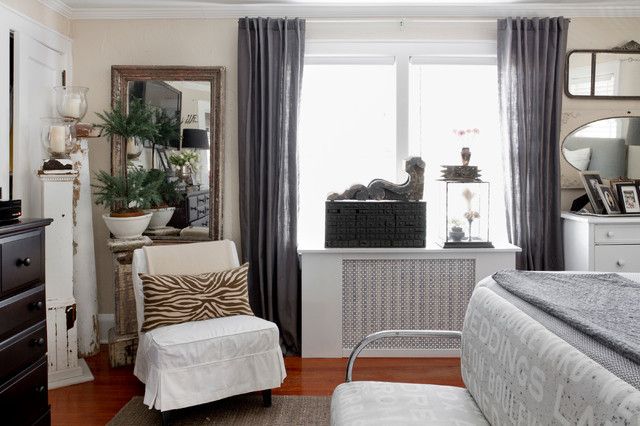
{"type": "Point", "coordinates": [524, 366]}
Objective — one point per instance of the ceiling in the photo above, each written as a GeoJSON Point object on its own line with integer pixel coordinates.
{"type": "Point", "coordinates": [123, 9]}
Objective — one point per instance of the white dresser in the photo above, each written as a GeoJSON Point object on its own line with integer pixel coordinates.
{"type": "Point", "coordinates": [349, 293]}
{"type": "Point", "coordinates": [601, 243]}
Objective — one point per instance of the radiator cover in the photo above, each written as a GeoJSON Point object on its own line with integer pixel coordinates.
{"type": "Point", "coordinates": [383, 294]}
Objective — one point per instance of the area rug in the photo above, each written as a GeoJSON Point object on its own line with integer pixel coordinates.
{"type": "Point", "coordinates": [240, 410]}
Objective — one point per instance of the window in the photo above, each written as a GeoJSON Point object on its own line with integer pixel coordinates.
{"type": "Point", "coordinates": [368, 106]}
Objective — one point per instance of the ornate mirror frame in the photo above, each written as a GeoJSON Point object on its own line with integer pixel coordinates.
{"type": "Point", "coordinates": [121, 75]}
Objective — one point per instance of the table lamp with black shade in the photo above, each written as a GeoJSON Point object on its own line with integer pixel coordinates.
{"type": "Point", "coordinates": [195, 139]}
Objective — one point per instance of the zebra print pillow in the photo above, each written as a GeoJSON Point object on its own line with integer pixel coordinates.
{"type": "Point", "coordinates": [174, 299]}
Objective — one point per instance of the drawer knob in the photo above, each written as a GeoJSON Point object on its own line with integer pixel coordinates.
{"type": "Point", "coordinates": [38, 342]}
{"type": "Point", "coordinates": [40, 389]}
{"type": "Point", "coordinates": [611, 234]}
{"type": "Point", "coordinates": [620, 263]}
{"type": "Point", "coordinates": [36, 305]}
{"type": "Point", "coordinates": [26, 261]}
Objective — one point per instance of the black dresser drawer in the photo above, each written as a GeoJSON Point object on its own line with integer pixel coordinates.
{"type": "Point", "coordinates": [22, 260]}
{"type": "Point", "coordinates": [22, 310]}
{"type": "Point", "coordinates": [198, 206]}
{"type": "Point", "coordinates": [19, 351]}
{"type": "Point", "coordinates": [23, 399]}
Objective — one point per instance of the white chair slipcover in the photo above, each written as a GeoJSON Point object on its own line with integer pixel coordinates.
{"type": "Point", "coordinates": [202, 361]}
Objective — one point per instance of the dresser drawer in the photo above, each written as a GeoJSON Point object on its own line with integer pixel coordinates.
{"type": "Point", "coordinates": [22, 260]}
{"type": "Point", "coordinates": [198, 208]}
{"type": "Point", "coordinates": [617, 258]}
{"type": "Point", "coordinates": [23, 399]}
{"type": "Point", "coordinates": [23, 349]}
{"type": "Point", "coordinates": [22, 310]}
{"type": "Point", "coordinates": [617, 234]}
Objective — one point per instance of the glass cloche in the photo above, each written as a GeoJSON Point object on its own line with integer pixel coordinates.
{"type": "Point", "coordinates": [465, 208]}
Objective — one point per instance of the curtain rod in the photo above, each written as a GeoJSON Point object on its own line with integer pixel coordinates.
{"type": "Point", "coordinates": [406, 20]}
{"type": "Point", "coordinates": [398, 20]}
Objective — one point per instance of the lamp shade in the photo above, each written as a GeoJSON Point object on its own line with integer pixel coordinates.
{"type": "Point", "coordinates": [195, 139]}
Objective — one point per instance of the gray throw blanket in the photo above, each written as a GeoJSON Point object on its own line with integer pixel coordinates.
{"type": "Point", "coordinates": [604, 306]}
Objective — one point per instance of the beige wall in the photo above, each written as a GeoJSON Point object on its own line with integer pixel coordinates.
{"type": "Point", "coordinates": [594, 33]}
{"type": "Point", "coordinates": [100, 44]}
{"type": "Point", "coordinates": [42, 14]}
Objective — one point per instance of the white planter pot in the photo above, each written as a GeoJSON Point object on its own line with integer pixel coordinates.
{"type": "Point", "coordinates": [127, 227]}
{"type": "Point", "coordinates": [160, 217]}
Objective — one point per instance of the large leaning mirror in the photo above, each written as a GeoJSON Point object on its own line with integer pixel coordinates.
{"type": "Point", "coordinates": [610, 146]}
{"type": "Point", "coordinates": [186, 158]}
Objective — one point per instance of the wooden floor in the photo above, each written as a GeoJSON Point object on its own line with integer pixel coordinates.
{"type": "Point", "coordinates": [95, 403]}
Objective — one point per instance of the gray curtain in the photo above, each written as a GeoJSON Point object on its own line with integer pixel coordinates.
{"type": "Point", "coordinates": [531, 57]}
{"type": "Point", "coordinates": [270, 62]}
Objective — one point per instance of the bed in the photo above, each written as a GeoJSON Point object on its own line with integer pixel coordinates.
{"type": "Point", "coordinates": [520, 365]}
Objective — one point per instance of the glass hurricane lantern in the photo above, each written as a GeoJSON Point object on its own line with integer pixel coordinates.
{"type": "Point", "coordinates": [71, 102]}
{"type": "Point", "coordinates": [56, 137]}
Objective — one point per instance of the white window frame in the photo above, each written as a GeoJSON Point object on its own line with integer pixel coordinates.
{"type": "Point", "coordinates": [402, 53]}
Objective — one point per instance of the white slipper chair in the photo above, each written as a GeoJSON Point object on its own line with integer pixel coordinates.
{"type": "Point", "coordinates": [202, 361]}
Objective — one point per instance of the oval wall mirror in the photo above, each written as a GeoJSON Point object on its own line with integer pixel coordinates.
{"type": "Point", "coordinates": [610, 146]}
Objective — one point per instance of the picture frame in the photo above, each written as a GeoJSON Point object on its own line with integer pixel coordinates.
{"type": "Point", "coordinates": [628, 196]}
{"type": "Point", "coordinates": [609, 199]}
{"type": "Point", "coordinates": [591, 180]}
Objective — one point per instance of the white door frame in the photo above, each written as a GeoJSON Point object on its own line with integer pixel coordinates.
{"type": "Point", "coordinates": [23, 27]}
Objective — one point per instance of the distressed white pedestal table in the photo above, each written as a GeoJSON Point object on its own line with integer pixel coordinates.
{"type": "Point", "coordinates": [64, 367]}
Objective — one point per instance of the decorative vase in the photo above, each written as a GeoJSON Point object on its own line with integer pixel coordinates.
{"type": "Point", "coordinates": [466, 156]}
{"type": "Point", "coordinates": [185, 173]}
{"type": "Point", "coordinates": [161, 216]}
{"type": "Point", "coordinates": [127, 228]}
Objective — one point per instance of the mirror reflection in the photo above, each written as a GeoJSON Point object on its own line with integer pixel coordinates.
{"type": "Point", "coordinates": [178, 156]}
{"type": "Point", "coordinates": [579, 77]}
{"type": "Point", "coordinates": [610, 146]}
{"type": "Point", "coordinates": [616, 74]}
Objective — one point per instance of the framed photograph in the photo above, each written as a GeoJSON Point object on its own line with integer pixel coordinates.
{"type": "Point", "coordinates": [628, 197]}
{"type": "Point", "coordinates": [609, 199]}
{"type": "Point", "coordinates": [591, 181]}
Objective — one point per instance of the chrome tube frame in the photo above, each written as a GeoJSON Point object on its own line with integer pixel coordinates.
{"type": "Point", "coordinates": [395, 333]}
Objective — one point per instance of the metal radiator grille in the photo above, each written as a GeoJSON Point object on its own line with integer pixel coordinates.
{"type": "Point", "coordinates": [382, 294]}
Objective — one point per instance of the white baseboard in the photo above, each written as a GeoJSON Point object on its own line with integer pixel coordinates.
{"type": "Point", "coordinates": [105, 323]}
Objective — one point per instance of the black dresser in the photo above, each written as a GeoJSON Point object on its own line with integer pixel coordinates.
{"type": "Point", "coordinates": [23, 326]}
{"type": "Point", "coordinates": [193, 210]}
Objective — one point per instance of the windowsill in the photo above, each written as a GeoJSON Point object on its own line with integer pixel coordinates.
{"type": "Point", "coordinates": [430, 248]}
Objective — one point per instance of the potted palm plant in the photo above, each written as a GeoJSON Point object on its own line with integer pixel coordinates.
{"type": "Point", "coordinates": [167, 130]}
{"type": "Point", "coordinates": [126, 197]}
{"type": "Point", "coordinates": [163, 207]}
{"type": "Point", "coordinates": [133, 126]}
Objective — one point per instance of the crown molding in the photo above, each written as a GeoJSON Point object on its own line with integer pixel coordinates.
{"type": "Point", "coordinates": [352, 11]}
{"type": "Point", "coordinates": [58, 6]}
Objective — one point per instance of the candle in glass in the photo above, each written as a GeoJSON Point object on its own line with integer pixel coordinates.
{"type": "Point", "coordinates": [57, 139]}
{"type": "Point", "coordinates": [132, 149]}
{"type": "Point", "coordinates": [71, 106]}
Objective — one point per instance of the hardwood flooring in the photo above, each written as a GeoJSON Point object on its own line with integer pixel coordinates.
{"type": "Point", "coordinates": [96, 402]}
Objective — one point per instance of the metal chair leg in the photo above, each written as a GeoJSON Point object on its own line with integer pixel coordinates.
{"type": "Point", "coordinates": [266, 398]}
